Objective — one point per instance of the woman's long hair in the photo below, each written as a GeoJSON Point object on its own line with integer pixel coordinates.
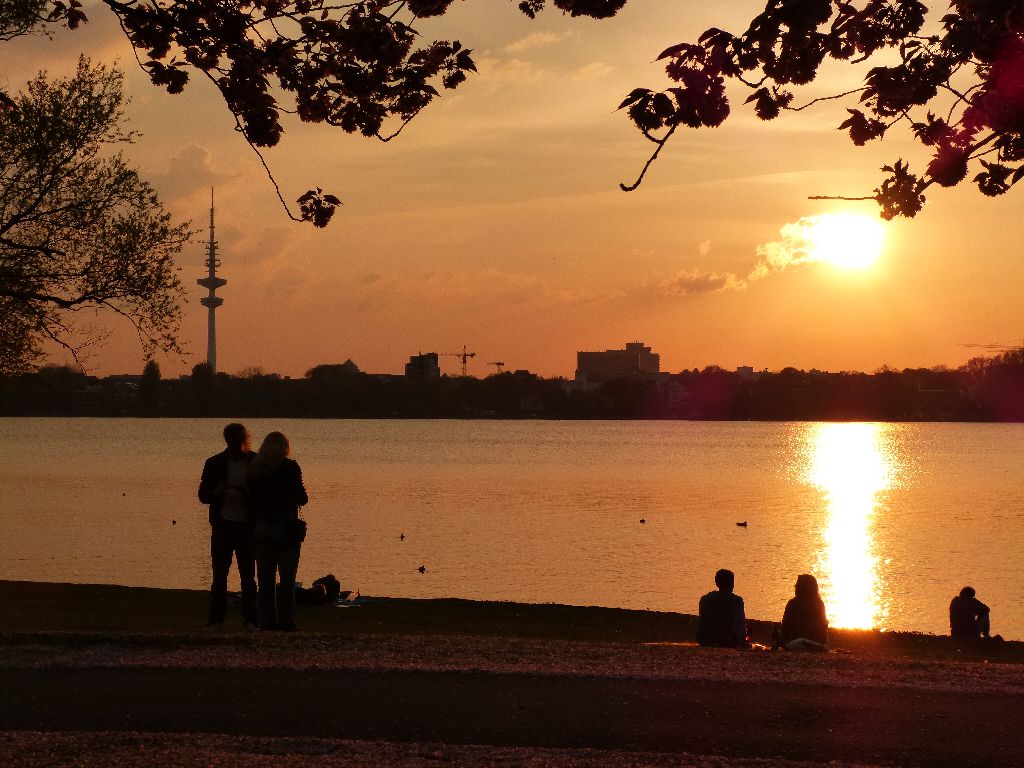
{"type": "Point", "coordinates": [806, 585]}
{"type": "Point", "coordinates": [272, 452]}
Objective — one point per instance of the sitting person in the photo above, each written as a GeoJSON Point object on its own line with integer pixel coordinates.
{"type": "Point", "coordinates": [721, 621]}
{"type": "Point", "coordinates": [804, 624]}
{"type": "Point", "coordinates": [968, 616]}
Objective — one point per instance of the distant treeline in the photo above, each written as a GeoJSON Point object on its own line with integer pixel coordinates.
{"type": "Point", "coordinates": [985, 389]}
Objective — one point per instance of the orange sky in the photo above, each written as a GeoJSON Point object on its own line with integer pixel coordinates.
{"type": "Point", "coordinates": [495, 220]}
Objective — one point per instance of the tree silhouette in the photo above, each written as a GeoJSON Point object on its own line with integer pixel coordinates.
{"type": "Point", "coordinates": [149, 389]}
{"type": "Point", "coordinates": [358, 66]}
{"type": "Point", "coordinates": [959, 92]}
{"type": "Point", "coordinates": [79, 230]}
{"type": "Point", "coordinates": [203, 385]}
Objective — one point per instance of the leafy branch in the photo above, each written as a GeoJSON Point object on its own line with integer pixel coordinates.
{"type": "Point", "coordinates": [784, 47]}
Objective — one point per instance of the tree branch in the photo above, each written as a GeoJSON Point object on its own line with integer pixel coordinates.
{"type": "Point", "coordinates": [661, 145]}
{"type": "Point", "coordinates": [812, 102]}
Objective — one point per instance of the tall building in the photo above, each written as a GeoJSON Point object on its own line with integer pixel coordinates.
{"type": "Point", "coordinates": [423, 367]}
{"type": "Point", "coordinates": [212, 300]}
{"type": "Point", "coordinates": [598, 367]}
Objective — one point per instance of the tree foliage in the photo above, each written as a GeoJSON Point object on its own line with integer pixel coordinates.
{"type": "Point", "coordinates": [955, 84]}
{"type": "Point", "coordinates": [959, 90]}
{"type": "Point", "coordinates": [149, 389]}
{"type": "Point", "coordinates": [21, 17]}
{"type": "Point", "coordinates": [359, 66]}
{"type": "Point", "coordinates": [79, 230]}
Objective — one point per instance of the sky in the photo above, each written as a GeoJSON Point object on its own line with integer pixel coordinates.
{"type": "Point", "coordinates": [495, 220]}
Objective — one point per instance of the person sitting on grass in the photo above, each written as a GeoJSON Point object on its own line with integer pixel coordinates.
{"type": "Point", "coordinates": [804, 623]}
{"type": "Point", "coordinates": [721, 621]}
{"type": "Point", "coordinates": [968, 616]}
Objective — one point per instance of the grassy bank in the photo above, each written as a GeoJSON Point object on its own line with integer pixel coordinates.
{"type": "Point", "coordinates": [35, 607]}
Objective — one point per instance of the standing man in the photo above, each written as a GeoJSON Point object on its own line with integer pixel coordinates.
{"type": "Point", "coordinates": [721, 621]}
{"type": "Point", "coordinates": [223, 487]}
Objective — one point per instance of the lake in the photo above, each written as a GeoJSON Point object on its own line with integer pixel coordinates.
{"type": "Point", "coordinates": [893, 519]}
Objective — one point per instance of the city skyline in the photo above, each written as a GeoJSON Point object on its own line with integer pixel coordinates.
{"type": "Point", "coordinates": [494, 221]}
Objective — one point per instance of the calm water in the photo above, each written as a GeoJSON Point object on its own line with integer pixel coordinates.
{"type": "Point", "coordinates": [892, 518]}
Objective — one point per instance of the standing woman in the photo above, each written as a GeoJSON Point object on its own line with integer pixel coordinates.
{"type": "Point", "coordinates": [276, 491]}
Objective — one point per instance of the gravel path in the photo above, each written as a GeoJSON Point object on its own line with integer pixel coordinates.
{"type": "Point", "coordinates": [31, 749]}
{"type": "Point", "coordinates": [170, 699]}
{"type": "Point", "coordinates": [670, 661]}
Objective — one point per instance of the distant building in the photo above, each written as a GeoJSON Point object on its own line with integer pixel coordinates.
{"type": "Point", "coordinates": [747, 373]}
{"type": "Point", "coordinates": [423, 367]}
{"type": "Point", "coordinates": [598, 367]}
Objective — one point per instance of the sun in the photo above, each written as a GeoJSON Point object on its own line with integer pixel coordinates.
{"type": "Point", "coordinates": [847, 240]}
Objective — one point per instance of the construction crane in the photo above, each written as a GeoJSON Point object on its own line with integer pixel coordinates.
{"type": "Point", "coordinates": [463, 356]}
{"type": "Point", "coordinates": [499, 365]}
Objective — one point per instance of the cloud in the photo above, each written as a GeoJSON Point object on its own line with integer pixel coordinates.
{"type": "Point", "coordinates": [502, 71]}
{"type": "Point", "coordinates": [189, 171]}
{"type": "Point", "coordinates": [595, 70]}
{"type": "Point", "coordinates": [475, 289]}
{"type": "Point", "coordinates": [992, 346]}
{"type": "Point", "coordinates": [687, 282]}
{"type": "Point", "coordinates": [285, 281]}
{"type": "Point", "coordinates": [693, 281]}
{"type": "Point", "coordinates": [533, 40]}
{"type": "Point", "coordinates": [256, 246]}
{"type": "Point", "coordinates": [794, 248]}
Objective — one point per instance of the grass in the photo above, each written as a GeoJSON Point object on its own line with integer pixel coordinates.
{"type": "Point", "coordinates": [35, 607]}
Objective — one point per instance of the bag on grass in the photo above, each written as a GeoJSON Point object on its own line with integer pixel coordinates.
{"type": "Point", "coordinates": [315, 595]}
{"type": "Point", "coordinates": [331, 585]}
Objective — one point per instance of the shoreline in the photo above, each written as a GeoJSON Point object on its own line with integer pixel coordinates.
{"type": "Point", "coordinates": [64, 607]}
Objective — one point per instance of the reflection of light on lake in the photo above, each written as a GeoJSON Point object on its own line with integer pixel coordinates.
{"type": "Point", "coordinates": [852, 465]}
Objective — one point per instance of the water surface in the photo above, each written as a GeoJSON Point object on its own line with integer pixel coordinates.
{"type": "Point", "coordinates": [892, 518]}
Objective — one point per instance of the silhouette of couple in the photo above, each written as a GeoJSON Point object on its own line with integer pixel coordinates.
{"type": "Point", "coordinates": [722, 623]}
{"type": "Point", "coordinates": [254, 503]}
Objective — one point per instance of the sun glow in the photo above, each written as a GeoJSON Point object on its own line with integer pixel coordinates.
{"type": "Point", "coordinates": [848, 240]}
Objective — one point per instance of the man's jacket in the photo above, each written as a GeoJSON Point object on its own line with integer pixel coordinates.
{"type": "Point", "coordinates": [215, 472]}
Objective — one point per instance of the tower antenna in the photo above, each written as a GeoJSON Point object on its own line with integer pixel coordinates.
{"type": "Point", "coordinates": [211, 301]}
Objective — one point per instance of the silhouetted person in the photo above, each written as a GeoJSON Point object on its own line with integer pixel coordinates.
{"type": "Point", "coordinates": [275, 484]}
{"type": "Point", "coordinates": [223, 487]}
{"type": "Point", "coordinates": [721, 619]}
{"type": "Point", "coordinates": [968, 616]}
{"type": "Point", "coordinates": [804, 624]}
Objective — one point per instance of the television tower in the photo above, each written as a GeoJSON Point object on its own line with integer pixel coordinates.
{"type": "Point", "coordinates": [212, 301]}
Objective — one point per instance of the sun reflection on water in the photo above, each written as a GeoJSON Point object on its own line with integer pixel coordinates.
{"type": "Point", "coordinates": [852, 464]}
